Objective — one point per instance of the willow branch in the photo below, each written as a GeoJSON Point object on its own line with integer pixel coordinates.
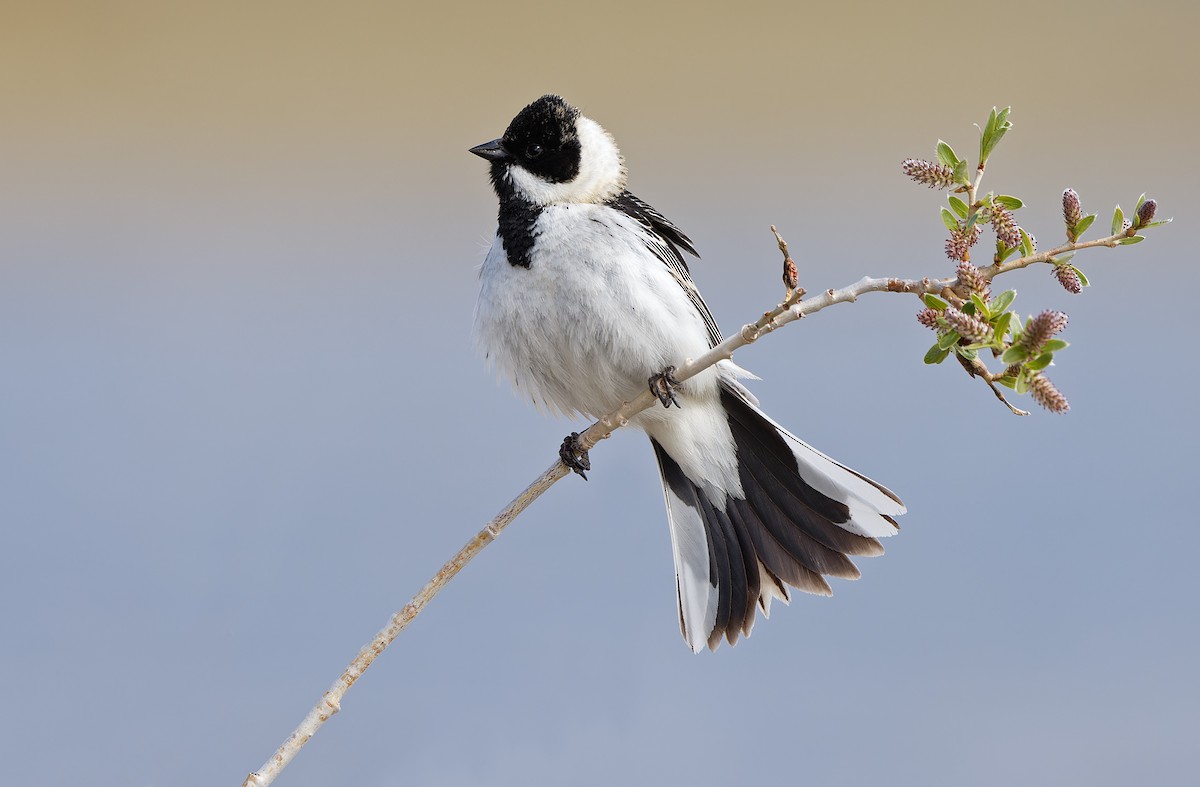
{"type": "Point", "coordinates": [977, 368]}
{"type": "Point", "coordinates": [1112, 241]}
{"type": "Point", "coordinates": [794, 307]}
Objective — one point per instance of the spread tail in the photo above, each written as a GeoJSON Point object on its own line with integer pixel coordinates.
{"type": "Point", "coordinates": [800, 517]}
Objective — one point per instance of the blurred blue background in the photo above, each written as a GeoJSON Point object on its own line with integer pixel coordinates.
{"type": "Point", "coordinates": [241, 421]}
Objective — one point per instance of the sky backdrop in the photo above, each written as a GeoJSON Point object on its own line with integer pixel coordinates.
{"type": "Point", "coordinates": [241, 421]}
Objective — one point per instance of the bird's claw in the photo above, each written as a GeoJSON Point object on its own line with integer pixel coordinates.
{"type": "Point", "coordinates": [574, 456]}
{"type": "Point", "coordinates": [663, 386]}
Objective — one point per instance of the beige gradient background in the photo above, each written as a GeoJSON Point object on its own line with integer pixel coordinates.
{"type": "Point", "coordinates": [241, 421]}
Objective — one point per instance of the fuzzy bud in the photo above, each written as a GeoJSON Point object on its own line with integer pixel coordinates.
{"type": "Point", "coordinates": [1145, 214]}
{"type": "Point", "coordinates": [968, 326]}
{"type": "Point", "coordinates": [1072, 210]}
{"type": "Point", "coordinates": [1007, 231]}
{"type": "Point", "coordinates": [1068, 278]}
{"type": "Point", "coordinates": [1042, 329]}
{"type": "Point", "coordinates": [928, 318]}
{"type": "Point", "coordinates": [970, 278]}
{"type": "Point", "coordinates": [935, 176]}
{"type": "Point", "coordinates": [959, 243]}
{"type": "Point", "coordinates": [956, 246]}
{"type": "Point", "coordinates": [1045, 394]}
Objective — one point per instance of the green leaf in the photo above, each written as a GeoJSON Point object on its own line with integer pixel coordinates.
{"type": "Point", "coordinates": [934, 302]}
{"type": "Point", "coordinates": [981, 307]}
{"type": "Point", "coordinates": [995, 129]}
{"type": "Point", "coordinates": [946, 154]}
{"type": "Point", "coordinates": [1014, 354]}
{"type": "Point", "coordinates": [1062, 259]}
{"type": "Point", "coordinates": [985, 136]}
{"type": "Point", "coordinates": [1157, 223]}
{"type": "Point", "coordinates": [1131, 240]}
{"type": "Point", "coordinates": [1118, 221]}
{"type": "Point", "coordinates": [1008, 381]}
{"type": "Point", "coordinates": [1000, 325]}
{"type": "Point", "coordinates": [996, 137]}
{"type": "Point", "coordinates": [990, 126]}
{"type": "Point", "coordinates": [1135, 216]}
{"type": "Point", "coordinates": [1026, 243]}
{"type": "Point", "coordinates": [1002, 301]}
{"type": "Point", "coordinates": [949, 220]}
{"type": "Point", "coordinates": [959, 206]}
{"type": "Point", "coordinates": [1012, 203]}
{"type": "Point", "coordinates": [1022, 383]}
{"type": "Point", "coordinates": [948, 340]}
{"type": "Point", "coordinates": [1082, 279]}
{"type": "Point", "coordinates": [936, 354]}
{"type": "Point", "coordinates": [960, 173]}
{"type": "Point", "coordinates": [1054, 345]}
{"type": "Point", "coordinates": [1082, 225]}
{"type": "Point", "coordinates": [966, 352]}
{"type": "Point", "coordinates": [1039, 363]}
{"type": "Point", "coordinates": [971, 222]}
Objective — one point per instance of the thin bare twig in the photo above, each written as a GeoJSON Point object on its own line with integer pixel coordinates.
{"type": "Point", "coordinates": [791, 309]}
{"type": "Point", "coordinates": [976, 368]}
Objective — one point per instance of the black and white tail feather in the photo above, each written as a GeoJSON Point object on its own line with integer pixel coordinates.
{"type": "Point", "coordinates": [800, 517]}
{"type": "Point", "coordinates": [584, 294]}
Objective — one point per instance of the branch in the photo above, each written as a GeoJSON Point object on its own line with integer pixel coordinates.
{"type": "Point", "coordinates": [793, 308]}
{"type": "Point", "coordinates": [959, 309]}
{"type": "Point", "coordinates": [990, 272]}
{"type": "Point", "coordinates": [977, 368]}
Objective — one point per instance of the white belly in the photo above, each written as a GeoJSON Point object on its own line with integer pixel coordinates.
{"type": "Point", "coordinates": [594, 315]}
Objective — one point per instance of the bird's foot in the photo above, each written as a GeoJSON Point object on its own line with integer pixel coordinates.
{"type": "Point", "coordinates": [574, 456]}
{"type": "Point", "coordinates": [663, 386]}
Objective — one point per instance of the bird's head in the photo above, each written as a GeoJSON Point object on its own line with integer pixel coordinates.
{"type": "Point", "coordinates": [552, 154]}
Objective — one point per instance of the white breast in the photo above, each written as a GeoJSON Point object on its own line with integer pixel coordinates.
{"type": "Point", "coordinates": [594, 315]}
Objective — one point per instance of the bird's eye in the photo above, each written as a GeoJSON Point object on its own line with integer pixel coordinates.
{"type": "Point", "coordinates": [533, 151]}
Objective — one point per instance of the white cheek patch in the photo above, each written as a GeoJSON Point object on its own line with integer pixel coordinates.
{"type": "Point", "coordinates": [601, 171]}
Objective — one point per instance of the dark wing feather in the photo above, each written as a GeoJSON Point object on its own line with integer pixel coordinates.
{"type": "Point", "coordinates": [653, 220]}
{"type": "Point", "coordinates": [666, 240]}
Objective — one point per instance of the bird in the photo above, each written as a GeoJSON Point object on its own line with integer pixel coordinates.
{"type": "Point", "coordinates": [585, 300]}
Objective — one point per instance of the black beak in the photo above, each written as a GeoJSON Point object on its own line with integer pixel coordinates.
{"type": "Point", "coordinates": [492, 151]}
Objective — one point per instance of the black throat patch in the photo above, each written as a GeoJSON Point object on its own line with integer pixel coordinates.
{"type": "Point", "coordinates": [515, 221]}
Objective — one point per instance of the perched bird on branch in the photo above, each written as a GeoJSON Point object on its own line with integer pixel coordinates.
{"type": "Point", "coordinates": [586, 299]}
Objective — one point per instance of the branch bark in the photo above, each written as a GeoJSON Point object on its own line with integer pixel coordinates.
{"type": "Point", "coordinates": [793, 308]}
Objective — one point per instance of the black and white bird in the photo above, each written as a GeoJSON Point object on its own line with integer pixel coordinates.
{"type": "Point", "coordinates": [586, 299]}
